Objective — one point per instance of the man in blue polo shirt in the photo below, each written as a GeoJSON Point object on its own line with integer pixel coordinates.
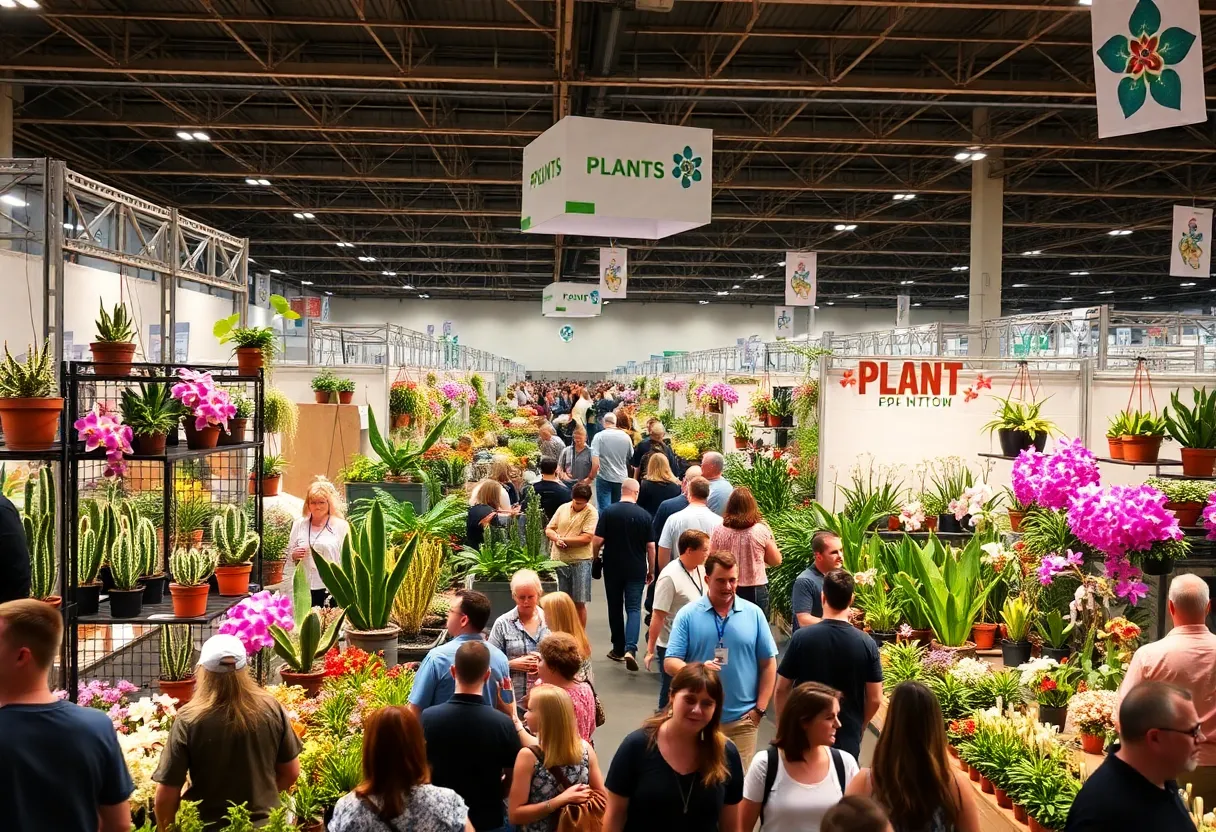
{"type": "Point", "coordinates": [433, 683]}
{"type": "Point", "coordinates": [732, 636]}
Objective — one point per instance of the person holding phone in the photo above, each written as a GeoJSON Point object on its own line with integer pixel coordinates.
{"type": "Point", "coordinates": [319, 532]}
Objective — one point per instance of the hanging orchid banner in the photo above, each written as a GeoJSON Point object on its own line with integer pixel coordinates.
{"type": "Point", "coordinates": [614, 272]}
{"type": "Point", "coordinates": [903, 310]}
{"type": "Point", "coordinates": [1191, 243]}
{"type": "Point", "coordinates": [783, 321]}
{"type": "Point", "coordinates": [800, 278]}
{"type": "Point", "coordinates": [1148, 65]}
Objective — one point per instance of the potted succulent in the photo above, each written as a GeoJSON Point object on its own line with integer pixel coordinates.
{"type": "Point", "coordinates": [324, 384]}
{"type": "Point", "coordinates": [345, 388]}
{"type": "Point", "coordinates": [951, 596]}
{"type": "Point", "coordinates": [1194, 428]}
{"type": "Point", "coordinates": [190, 515]}
{"type": "Point", "coordinates": [210, 407]}
{"type": "Point", "coordinates": [1145, 433]}
{"type": "Point", "coordinates": [191, 570]}
{"type": "Point", "coordinates": [239, 423]}
{"type": "Point", "coordinates": [276, 533]}
{"type": "Point", "coordinates": [1015, 647]}
{"type": "Point", "coordinates": [177, 662]}
{"type": "Point", "coordinates": [364, 582]}
{"type": "Point", "coordinates": [308, 642]}
{"type": "Point", "coordinates": [151, 414]}
{"type": "Point", "coordinates": [255, 345]}
{"type": "Point", "coordinates": [236, 545]}
{"type": "Point", "coordinates": [1186, 498]}
{"type": "Point", "coordinates": [29, 408]}
{"type": "Point", "coordinates": [781, 411]}
{"type": "Point", "coordinates": [1020, 425]}
{"type": "Point", "coordinates": [115, 344]}
{"type": "Point", "coordinates": [1055, 634]}
{"type": "Point", "coordinates": [38, 521]}
{"type": "Point", "coordinates": [1114, 434]}
{"type": "Point", "coordinates": [126, 568]}
{"type": "Point", "coordinates": [742, 430]}
{"type": "Point", "coordinates": [404, 402]}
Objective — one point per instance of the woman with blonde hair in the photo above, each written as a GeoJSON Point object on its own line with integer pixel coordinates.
{"type": "Point", "coordinates": [659, 483]}
{"type": "Point", "coordinates": [233, 740]}
{"type": "Point", "coordinates": [485, 507]}
{"type": "Point", "coordinates": [320, 531]}
{"type": "Point", "coordinates": [560, 769]}
{"type": "Point", "coordinates": [518, 631]}
{"type": "Point", "coordinates": [561, 616]}
{"type": "Point", "coordinates": [500, 472]}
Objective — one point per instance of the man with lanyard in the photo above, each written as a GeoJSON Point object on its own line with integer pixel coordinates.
{"type": "Point", "coordinates": [680, 582]}
{"type": "Point", "coordinates": [732, 636]}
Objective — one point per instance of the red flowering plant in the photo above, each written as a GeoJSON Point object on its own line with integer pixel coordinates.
{"type": "Point", "coordinates": [1051, 683]}
{"type": "Point", "coordinates": [350, 660]}
{"type": "Point", "coordinates": [960, 730]}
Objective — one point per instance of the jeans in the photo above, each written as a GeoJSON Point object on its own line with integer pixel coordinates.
{"type": "Point", "coordinates": [606, 493]}
{"type": "Point", "coordinates": [626, 593]}
{"type": "Point", "coordinates": [664, 678]}
{"type": "Point", "coordinates": [757, 594]}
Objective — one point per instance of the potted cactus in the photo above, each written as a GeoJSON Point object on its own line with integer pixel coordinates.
{"type": "Point", "coordinates": [127, 596]}
{"type": "Point", "coordinates": [301, 648]}
{"type": "Point", "coordinates": [236, 545]}
{"type": "Point", "coordinates": [38, 519]}
{"type": "Point", "coordinates": [29, 408]}
{"type": "Point", "coordinates": [90, 551]}
{"type": "Point", "coordinates": [147, 548]}
{"type": "Point", "coordinates": [115, 344]}
{"type": "Point", "coordinates": [191, 569]}
{"type": "Point", "coordinates": [177, 662]}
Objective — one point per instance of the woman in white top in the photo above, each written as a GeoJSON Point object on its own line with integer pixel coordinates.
{"type": "Point", "coordinates": [579, 411]}
{"type": "Point", "coordinates": [320, 531]}
{"type": "Point", "coordinates": [811, 775]}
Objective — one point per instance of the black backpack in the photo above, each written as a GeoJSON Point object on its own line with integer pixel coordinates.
{"type": "Point", "coordinates": [770, 774]}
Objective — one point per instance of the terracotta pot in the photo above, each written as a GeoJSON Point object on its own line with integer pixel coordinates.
{"type": "Point", "coordinates": [986, 785]}
{"type": "Point", "coordinates": [973, 773]}
{"type": "Point", "coordinates": [931, 523]}
{"type": "Point", "coordinates": [1002, 799]}
{"type": "Point", "coordinates": [233, 580]}
{"type": "Point", "coordinates": [201, 440]}
{"type": "Point", "coordinates": [345, 396]}
{"type": "Point", "coordinates": [967, 651]}
{"type": "Point", "coordinates": [1198, 462]}
{"type": "Point", "coordinates": [321, 396]}
{"type": "Point", "coordinates": [1115, 445]}
{"type": "Point", "coordinates": [984, 636]}
{"type": "Point", "coordinates": [112, 359]}
{"type": "Point", "coordinates": [55, 601]}
{"type": "Point", "coordinates": [922, 637]}
{"type": "Point", "coordinates": [403, 420]}
{"type": "Point", "coordinates": [181, 690]}
{"type": "Point", "coordinates": [235, 434]}
{"type": "Point", "coordinates": [740, 443]}
{"type": "Point", "coordinates": [311, 682]}
{"type": "Point", "coordinates": [249, 360]}
{"type": "Point", "coordinates": [772, 421]}
{"type": "Point", "coordinates": [1093, 743]}
{"type": "Point", "coordinates": [1035, 826]}
{"type": "Point", "coordinates": [30, 424]}
{"type": "Point", "coordinates": [1019, 813]}
{"type": "Point", "coordinates": [1187, 513]}
{"type": "Point", "coordinates": [1015, 520]}
{"type": "Point", "coordinates": [189, 601]}
{"type": "Point", "coordinates": [270, 485]}
{"type": "Point", "coordinates": [1141, 448]}
{"type": "Point", "coordinates": [151, 445]}
{"type": "Point", "coordinates": [272, 571]}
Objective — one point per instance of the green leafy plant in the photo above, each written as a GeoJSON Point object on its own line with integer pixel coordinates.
{"type": "Point", "coordinates": [38, 520]}
{"type": "Point", "coordinates": [342, 770]}
{"type": "Point", "coordinates": [191, 512]}
{"type": "Point", "coordinates": [238, 819]}
{"type": "Point", "coordinates": [234, 542]}
{"type": "Point", "coordinates": [1182, 491]}
{"type": "Point", "coordinates": [364, 469]}
{"type": "Point", "coordinates": [1000, 686]}
{"type": "Point", "coordinates": [307, 802]}
{"type": "Point", "coordinates": [1045, 532]}
{"type": "Point", "coordinates": [325, 381]}
{"type": "Point", "coordinates": [277, 819]}
{"type": "Point", "coordinates": [1042, 783]}
{"type": "Point", "coordinates": [242, 403]}
{"type": "Point", "coordinates": [361, 581]}
{"type": "Point", "coordinates": [33, 378]}
{"type": "Point", "coordinates": [152, 410]}
{"type": "Point", "coordinates": [741, 427]}
{"type": "Point", "coordinates": [273, 465]}
{"type": "Point", "coordinates": [950, 597]}
{"type": "Point", "coordinates": [768, 478]}
{"type": "Point", "coordinates": [345, 385]}
{"type": "Point", "coordinates": [782, 403]}
{"type": "Point", "coordinates": [276, 534]}
{"type": "Point", "coordinates": [881, 605]}
{"type": "Point", "coordinates": [263, 338]}
{"type": "Point", "coordinates": [1016, 615]}
{"type": "Point", "coordinates": [402, 458]}
{"type": "Point", "coordinates": [1192, 427]}
{"type": "Point", "coordinates": [1118, 425]}
{"type": "Point", "coordinates": [413, 598]}
{"type": "Point", "coordinates": [1023, 416]}
{"type": "Point", "coordinates": [441, 521]}
{"type": "Point", "coordinates": [308, 642]}
{"type": "Point", "coordinates": [188, 818]}
{"type": "Point", "coordinates": [176, 652]}
{"type": "Point", "coordinates": [499, 557]}
{"type": "Point", "coordinates": [279, 413]}
{"type": "Point", "coordinates": [193, 567]}
{"type": "Point", "coordinates": [955, 697]}
{"type": "Point", "coordinates": [404, 399]}
{"type": "Point", "coordinates": [1144, 424]}
{"type": "Point", "coordinates": [870, 483]}
{"type": "Point", "coordinates": [535, 541]}
{"type": "Point", "coordinates": [949, 477]}
{"type": "Point", "coordinates": [901, 662]}
{"type": "Point", "coordinates": [1052, 630]}
{"type": "Point", "coordinates": [116, 327]}
{"type": "Point", "coordinates": [521, 448]}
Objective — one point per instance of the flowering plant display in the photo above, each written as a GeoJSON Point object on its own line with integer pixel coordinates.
{"type": "Point", "coordinates": [101, 428]}
{"type": "Point", "coordinates": [761, 404]}
{"type": "Point", "coordinates": [1053, 565]}
{"type": "Point", "coordinates": [250, 620]}
{"type": "Point", "coordinates": [881, 605]}
{"type": "Point", "coordinates": [102, 695]}
{"type": "Point", "coordinates": [210, 405]}
{"type": "Point", "coordinates": [912, 516]}
{"type": "Point", "coordinates": [673, 385]}
{"type": "Point", "coordinates": [1050, 480]}
{"type": "Point", "coordinates": [716, 393]}
{"type": "Point", "coordinates": [630, 396]}
{"type": "Point", "coordinates": [1051, 683]}
{"type": "Point", "coordinates": [958, 730]}
{"type": "Point", "coordinates": [457, 391]}
{"type": "Point", "coordinates": [1122, 632]}
{"type": "Point", "coordinates": [970, 671]}
{"type": "Point", "coordinates": [1093, 711]}
{"type": "Point", "coordinates": [977, 502]}
{"type": "Point", "coordinates": [1209, 516]}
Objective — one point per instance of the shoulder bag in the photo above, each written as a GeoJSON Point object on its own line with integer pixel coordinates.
{"type": "Point", "coordinates": [574, 817]}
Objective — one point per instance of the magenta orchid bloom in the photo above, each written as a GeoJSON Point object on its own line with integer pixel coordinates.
{"type": "Point", "coordinates": [1051, 480]}
{"type": "Point", "coordinates": [209, 405]}
{"type": "Point", "coordinates": [102, 429]}
{"type": "Point", "coordinates": [1209, 516]}
{"type": "Point", "coordinates": [251, 619]}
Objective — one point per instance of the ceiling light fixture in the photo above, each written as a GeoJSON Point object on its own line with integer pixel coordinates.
{"type": "Point", "coordinates": [305, 282]}
{"type": "Point", "coordinates": [757, 277]}
{"type": "Point", "coordinates": [736, 286]}
{"type": "Point", "coordinates": [200, 136]}
{"type": "Point", "coordinates": [304, 215]}
{"type": "Point", "coordinates": [364, 258]}
{"type": "Point", "coordinates": [345, 245]}
{"type": "Point", "coordinates": [1119, 232]}
{"type": "Point", "coordinates": [1079, 274]}
{"type": "Point", "coordinates": [1020, 285]}
{"type": "Point", "coordinates": [389, 274]}
{"type": "Point", "coordinates": [330, 294]}
{"type": "Point", "coordinates": [276, 271]}
{"type": "Point", "coordinates": [906, 282]}
{"type": "Point", "coordinates": [1149, 297]}
{"type": "Point", "coordinates": [703, 302]}
{"type": "Point", "coordinates": [407, 286]}
{"type": "Point", "coordinates": [1085, 2]}
{"type": "Point", "coordinates": [959, 268]}
{"type": "Point", "coordinates": [959, 297]}
{"type": "Point", "coordinates": [185, 135]}
{"type": "Point", "coordinates": [916, 304]}
{"type": "Point", "coordinates": [424, 297]}
{"type": "Point", "coordinates": [846, 226]}
{"type": "Point", "coordinates": [854, 297]}
{"type": "Point", "coordinates": [723, 293]}
{"type": "Point", "coordinates": [1064, 300]}
{"type": "Point", "coordinates": [15, 201]}
{"type": "Point", "coordinates": [903, 197]}
{"type": "Point", "coordinates": [972, 154]}
{"type": "Point", "coordinates": [1185, 285]}
{"type": "Point", "coordinates": [262, 182]}
{"type": "Point", "coordinates": [1107, 292]}
{"type": "Point", "coordinates": [8, 4]}
{"type": "Point", "coordinates": [831, 303]}
{"type": "Point", "coordinates": [1032, 253]}
{"type": "Point", "coordinates": [780, 262]}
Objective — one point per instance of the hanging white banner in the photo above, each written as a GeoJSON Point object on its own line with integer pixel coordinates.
{"type": "Point", "coordinates": [1191, 242]}
{"type": "Point", "coordinates": [903, 310]}
{"type": "Point", "coordinates": [800, 269]}
{"type": "Point", "coordinates": [614, 272]}
{"type": "Point", "coordinates": [1148, 65]}
{"type": "Point", "coordinates": [570, 300]}
{"type": "Point", "coordinates": [783, 321]}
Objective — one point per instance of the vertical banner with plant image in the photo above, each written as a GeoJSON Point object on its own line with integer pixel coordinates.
{"type": "Point", "coordinates": [903, 310]}
{"type": "Point", "coordinates": [1148, 65]}
{"type": "Point", "coordinates": [1191, 242]}
{"type": "Point", "coordinates": [783, 321]}
{"type": "Point", "coordinates": [800, 278]}
{"type": "Point", "coordinates": [614, 272]}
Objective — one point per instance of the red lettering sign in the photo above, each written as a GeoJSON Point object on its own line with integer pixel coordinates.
{"type": "Point", "coordinates": [915, 378]}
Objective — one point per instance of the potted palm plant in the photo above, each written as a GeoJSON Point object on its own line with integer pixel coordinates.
{"type": "Point", "coordinates": [151, 414]}
{"type": "Point", "coordinates": [126, 567]}
{"type": "Point", "coordinates": [1020, 425]}
{"type": "Point", "coordinates": [1114, 434]}
{"type": "Point", "coordinates": [255, 345]}
{"type": "Point", "coordinates": [191, 569]}
{"type": "Point", "coordinates": [177, 662]}
{"type": "Point", "coordinates": [236, 545]}
{"type": "Point", "coordinates": [1186, 498]}
{"type": "Point", "coordinates": [951, 596]}
{"type": "Point", "coordinates": [1145, 433]}
{"type": "Point", "coordinates": [1015, 646]}
{"type": "Point", "coordinates": [29, 408]}
{"type": "Point", "coordinates": [308, 642]}
{"type": "Point", "coordinates": [324, 384]}
{"type": "Point", "coordinates": [1194, 428]}
{"type": "Point", "coordinates": [115, 344]}
{"type": "Point", "coordinates": [742, 430]}
{"type": "Point", "coordinates": [345, 388]}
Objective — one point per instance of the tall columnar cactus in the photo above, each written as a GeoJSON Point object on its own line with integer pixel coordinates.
{"type": "Point", "coordinates": [233, 540]}
{"type": "Point", "coordinates": [38, 518]}
{"type": "Point", "coordinates": [147, 548]}
{"type": "Point", "coordinates": [88, 553]}
{"type": "Point", "coordinates": [124, 562]}
{"type": "Point", "coordinates": [176, 652]}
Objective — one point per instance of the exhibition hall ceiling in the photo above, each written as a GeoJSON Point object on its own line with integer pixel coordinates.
{"type": "Point", "coordinates": [374, 147]}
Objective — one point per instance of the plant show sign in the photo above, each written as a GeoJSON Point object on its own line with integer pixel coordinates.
{"type": "Point", "coordinates": [603, 178]}
{"type": "Point", "coordinates": [614, 272]}
{"type": "Point", "coordinates": [570, 300]}
{"type": "Point", "coordinates": [913, 383]}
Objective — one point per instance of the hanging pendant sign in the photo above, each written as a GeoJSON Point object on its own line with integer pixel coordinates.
{"type": "Point", "coordinates": [800, 278]}
{"type": "Point", "coordinates": [1148, 65]}
{"type": "Point", "coordinates": [783, 321]}
{"type": "Point", "coordinates": [614, 272]}
{"type": "Point", "coordinates": [570, 300]}
{"type": "Point", "coordinates": [903, 310]}
{"type": "Point", "coordinates": [603, 178]}
{"type": "Point", "coordinates": [1191, 242]}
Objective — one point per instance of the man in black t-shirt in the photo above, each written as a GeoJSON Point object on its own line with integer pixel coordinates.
{"type": "Point", "coordinates": [14, 554]}
{"type": "Point", "coordinates": [837, 654]}
{"type": "Point", "coordinates": [807, 601]}
{"type": "Point", "coordinates": [469, 744]}
{"type": "Point", "coordinates": [623, 540]}
{"type": "Point", "coordinates": [1137, 785]}
{"type": "Point", "coordinates": [551, 491]}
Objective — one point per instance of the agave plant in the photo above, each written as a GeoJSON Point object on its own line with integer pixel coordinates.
{"type": "Point", "coordinates": [176, 652]}
{"type": "Point", "coordinates": [150, 411]}
{"type": "Point", "coordinates": [114, 328]}
{"type": "Point", "coordinates": [405, 457]}
{"type": "Point", "coordinates": [1192, 427]}
{"type": "Point", "coordinates": [950, 596]}
{"type": "Point", "coordinates": [361, 582]}
{"type": "Point", "coordinates": [234, 542]}
{"type": "Point", "coordinates": [1144, 424]}
{"type": "Point", "coordinates": [32, 379]}
{"type": "Point", "coordinates": [301, 649]}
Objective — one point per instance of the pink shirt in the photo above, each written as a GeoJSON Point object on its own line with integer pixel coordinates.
{"type": "Point", "coordinates": [1186, 657]}
{"type": "Point", "coordinates": [747, 545]}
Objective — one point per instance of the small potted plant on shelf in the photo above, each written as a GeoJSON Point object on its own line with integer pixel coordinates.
{"type": "Point", "coordinates": [1186, 498]}
{"type": "Point", "coordinates": [191, 512]}
{"type": "Point", "coordinates": [236, 545]}
{"type": "Point", "coordinates": [29, 408]}
{"type": "Point", "coordinates": [1016, 511]}
{"type": "Point", "coordinates": [324, 384]}
{"type": "Point", "coordinates": [208, 408]}
{"type": "Point", "coordinates": [147, 549]}
{"type": "Point", "coordinates": [1055, 635]}
{"type": "Point", "coordinates": [150, 413]}
{"type": "Point", "coordinates": [38, 520]}
{"type": "Point", "coordinates": [1015, 646]}
{"type": "Point", "coordinates": [191, 570]}
{"type": "Point", "coordinates": [301, 649]}
{"type": "Point", "coordinates": [1020, 425]}
{"type": "Point", "coordinates": [742, 430]}
{"type": "Point", "coordinates": [345, 388]}
{"type": "Point", "coordinates": [271, 475]}
{"type": "Point", "coordinates": [239, 423]}
{"type": "Point", "coordinates": [90, 551]}
{"type": "Point", "coordinates": [881, 607]}
{"type": "Point", "coordinates": [115, 344]}
{"type": "Point", "coordinates": [761, 403]}
{"type": "Point", "coordinates": [1145, 433]}
{"type": "Point", "coordinates": [255, 345]}
{"type": "Point", "coordinates": [127, 595]}
{"type": "Point", "coordinates": [177, 662]}
{"type": "Point", "coordinates": [1194, 428]}
{"type": "Point", "coordinates": [1114, 434]}
{"type": "Point", "coordinates": [782, 408]}
{"type": "Point", "coordinates": [1093, 714]}
{"type": "Point", "coordinates": [276, 533]}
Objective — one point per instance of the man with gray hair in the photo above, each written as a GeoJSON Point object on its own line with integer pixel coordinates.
{"type": "Point", "coordinates": [1186, 658]}
{"type": "Point", "coordinates": [712, 464]}
{"type": "Point", "coordinates": [549, 442]}
{"type": "Point", "coordinates": [612, 447]}
{"type": "Point", "coordinates": [1136, 787]}
{"type": "Point", "coordinates": [622, 539]}
{"type": "Point", "coordinates": [655, 442]}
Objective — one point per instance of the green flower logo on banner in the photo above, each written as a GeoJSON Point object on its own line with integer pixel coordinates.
{"type": "Point", "coordinates": [1144, 57]}
{"type": "Point", "coordinates": [688, 167]}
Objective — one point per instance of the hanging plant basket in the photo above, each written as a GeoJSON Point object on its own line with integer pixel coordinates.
{"type": "Point", "coordinates": [1141, 448]}
{"type": "Point", "coordinates": [1157, 566]}
{"type": "Point", "coordinates": [1013, 442]}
